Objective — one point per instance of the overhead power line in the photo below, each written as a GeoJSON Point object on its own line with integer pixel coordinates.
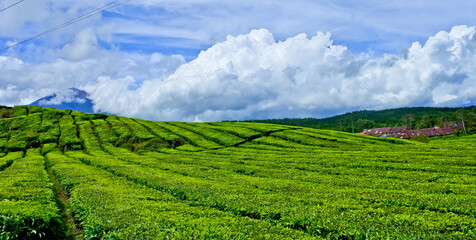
{"type": "Point", "coordinates": [108, 6]}
{"type": "Point", "coordinates": [11, 6]}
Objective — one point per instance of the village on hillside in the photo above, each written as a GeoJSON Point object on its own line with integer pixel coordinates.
{"type": "Point", "coordinates": [402, 132]}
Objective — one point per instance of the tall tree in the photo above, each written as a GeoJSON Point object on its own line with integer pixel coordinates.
{"type": "Point", "coordinates": [341, 123]}
{"type": "Point", "coordinates": [364, 124]}
{"type": "Point", "coordinates": [462, 115]}
{"type": "Point", "coordinates": [352, 118]}
{"type": "Point", "coordinates": [443, 118]}
{"type": "Point", "coordinates": [408, 120]}
{"type": "Point", "coordinates": [426, 121]}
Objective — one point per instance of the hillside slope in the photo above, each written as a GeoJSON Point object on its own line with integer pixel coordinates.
{"type": "Point", "coordinates": [67, 174]}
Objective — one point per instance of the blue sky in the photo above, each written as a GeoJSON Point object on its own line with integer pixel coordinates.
{"type": "Point", "coordinates": [152, 47]}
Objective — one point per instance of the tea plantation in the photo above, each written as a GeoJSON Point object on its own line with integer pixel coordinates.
{"type": "Point", "coordinates": [69, 175]}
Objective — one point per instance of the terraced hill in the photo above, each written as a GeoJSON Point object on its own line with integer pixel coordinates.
{"type": "Point", "coordinates": [73, 175]}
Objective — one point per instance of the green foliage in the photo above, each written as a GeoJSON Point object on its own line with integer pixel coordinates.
{"type": "Point", "coordinates": [6, 161]}
{"type": "Point", "coordinates": [260, 127]}
{"type": "Point", "coordinates": [117, 208]}
{"type": "Point", "coordinates": [426, 121]}
{"type": "Point", "coordinates": [305, 139]}
{"type": "Point", "coordinates": [189, 148]}
{"type": "Point", "coordinates": [104, 131]}
{"type": "Point", "coordinates": [24, 132]}
{"type": "Point", "coordinates": [189, 136]}
{"type": "Point", "coordinates": [153, 144]}
{"type": "Point", "coordinates": [51, 135]}
{"type": "Point", "coordinates": [171, 139]}
{"type": "Point", "coordinates": [132, 135]}
{"type": "Point", "coordinates": [15, 144]}
{"type": "Point", "coordinates": [53, 115]}
{"type": "Point", "coordinates": [136, 179]}
{"type": "Point", "coordinates": [16, 123]}
{"type": "Point", "coordinates": [48, 147]}
{"type": "Point", "coordinates": [241, 132]}
{"type": "Point", "coordinates": [27, 209]}
{"type": "Point", "coordinates": [34, 109]}
{"type": "Point", "coordinates": [158, 131]}
{"type": "Point", "coordinates": [87, 136]}
{"type": "Point", "coordinates": [3, 143]}
{"type": "Point", "coordinates": [120, 129]}
{"type": "Point", "coordinates": [314, 177]}
{"type": "Point", "coordinates": [6, 112]}
{"type": "Point", "coordinates": [80, 116]}
{"type": "Point", "coordinates": [139, 132]}
{"type": "Point", "coordinates": [20, 110]}
{"type": "Point", "coordinates": [221, 137]}
{"type": "Point", "coordinates": [421, 138]}
{"type": "Point", "coordinates": [364, 124]}
{"type": "Point", "coordinates": [49, 125]}
{"type": "Point", "coordinates": [467, 118]}
{"type": "Point", "coordinates": [5, 127]}
{"type": "Point", "coordinates": [409, 120]}
{"type": "Point", "coordinates": [69, 135]}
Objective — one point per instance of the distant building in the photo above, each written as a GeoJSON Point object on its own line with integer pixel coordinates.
{"type": "Point", "coordinates": [404, 133]}
{"type": "Point", "coordinates": [385, 132]}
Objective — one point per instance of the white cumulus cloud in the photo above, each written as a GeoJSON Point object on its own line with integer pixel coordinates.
{"type": "Point", "coordinates": [254, 76]}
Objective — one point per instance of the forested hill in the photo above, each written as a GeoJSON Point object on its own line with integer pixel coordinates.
{"type": "Point", "coordinates": [418, 117]}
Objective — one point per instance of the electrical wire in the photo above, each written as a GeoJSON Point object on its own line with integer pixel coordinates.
{"type": "Point", "coordinates": [11, 6]}
{"type": "Point", "coordinates": [106, 7]}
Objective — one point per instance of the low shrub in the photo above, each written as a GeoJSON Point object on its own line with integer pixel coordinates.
{"type": "Point", "coordinates": [421, 138]}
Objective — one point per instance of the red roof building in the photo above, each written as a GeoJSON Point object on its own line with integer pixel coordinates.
{"type": "Point", "coordinates": [404, 133]}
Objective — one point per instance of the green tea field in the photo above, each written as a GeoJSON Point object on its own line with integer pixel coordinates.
{"type": "Point", "coordinates": [69, 175]}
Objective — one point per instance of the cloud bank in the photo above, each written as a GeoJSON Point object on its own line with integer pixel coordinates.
{"type": "Point", "coordinates": [251, 76]}
{"type": "Point", "coordinates": [254, 76]}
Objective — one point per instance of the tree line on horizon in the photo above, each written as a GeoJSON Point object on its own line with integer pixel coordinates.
{"type": "Point", "coordinates": [412, 118]}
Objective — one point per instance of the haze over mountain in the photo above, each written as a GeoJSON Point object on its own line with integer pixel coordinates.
{"type": "Point", "coordinates": [72, 98]}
